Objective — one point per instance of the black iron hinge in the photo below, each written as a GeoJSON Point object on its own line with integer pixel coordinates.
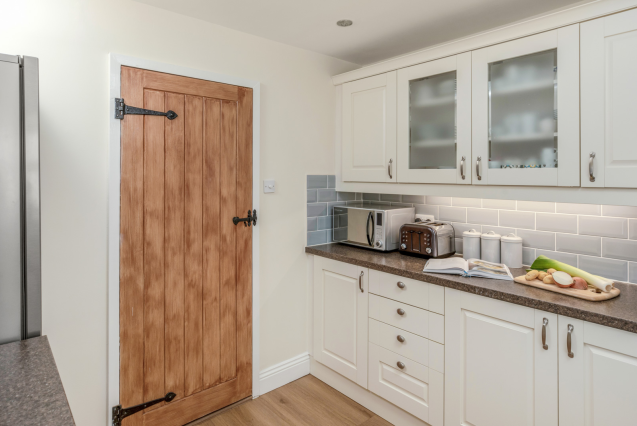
{"type": "Point", "coordinates": [121, 109]}
{"type": "Point", "coordinates": [120, 413]}
{"type": "Point", "coordinates": [247, 221]}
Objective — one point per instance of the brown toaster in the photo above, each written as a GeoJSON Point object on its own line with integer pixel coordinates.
{"type": "Point", "coordinates": [428, 239]}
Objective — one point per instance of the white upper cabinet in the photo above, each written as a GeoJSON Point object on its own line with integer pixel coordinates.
{"type": "Point", "coordinates": [525, 124]}
{"type": "Point", "coordinates": [434, 121]}
{"type": "Point", "coordinates": [609, 90]}
{"type": "Point", "coordinates": [369, 129]}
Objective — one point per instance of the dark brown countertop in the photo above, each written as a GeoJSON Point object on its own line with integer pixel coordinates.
{"type": "Point", "coordinates": [620, 312]}
{"type": "Point", "coordinates": [31, 392]}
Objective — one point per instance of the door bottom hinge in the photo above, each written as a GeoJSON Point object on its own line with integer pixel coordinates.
{"type": "Point", "coordinates": [120, 413]}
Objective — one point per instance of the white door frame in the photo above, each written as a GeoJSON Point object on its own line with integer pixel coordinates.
{"type": "Point", "coordinates": [116, 62]}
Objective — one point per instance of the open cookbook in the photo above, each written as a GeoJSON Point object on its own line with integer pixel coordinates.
{"type": "Point", "coordinates": [468, 268]}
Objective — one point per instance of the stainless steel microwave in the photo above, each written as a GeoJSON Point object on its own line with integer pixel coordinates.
{"type": "Point", "coordinates": [374, 226]}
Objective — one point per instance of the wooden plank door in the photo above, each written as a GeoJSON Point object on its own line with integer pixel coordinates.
{"type": "Point", "coordinates": [185, 268]}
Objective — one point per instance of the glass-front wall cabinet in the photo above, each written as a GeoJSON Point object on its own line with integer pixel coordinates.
{"type": "Point", "coordinates": [526, 111]}
{"type": "Point", "coordinates": [434, 121]}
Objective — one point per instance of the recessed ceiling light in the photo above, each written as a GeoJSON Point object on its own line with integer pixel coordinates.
{"type": "Point", "coordinates": [344, 23]}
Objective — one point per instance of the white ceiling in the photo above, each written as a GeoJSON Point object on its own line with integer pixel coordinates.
{"type": "Point", "coordinates": [382, 28]}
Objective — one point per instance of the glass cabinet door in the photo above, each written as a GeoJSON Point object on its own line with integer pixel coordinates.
{"type": "Point", "coordinates": [434, 121]}
{"type": "Point", "coordinates": [526, 111]}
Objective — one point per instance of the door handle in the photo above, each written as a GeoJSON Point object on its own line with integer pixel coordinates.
{"type": "Point", "coordinates": [400, 338]}
{"type": "Point", "coordinates": [389, 168]}
{"type": "Point", "coordinates": [568, 341]}
{"type": "Point", "coordinates": [401, 285]}
{"type": "Point", "coordinates": [247, 221]}
{"type": "Point", "coordinates": [545, 322]}
{"type": "Point", "coordinates": [400, 365]}
{"type": "Point", "coordinates": [369, 217]}
{"type": "Point", "coordinates": [591, 176]}
{"type": "Point", "coordinates": [462, 168]}
{"type": "Point", "coordinates": [360, 281]}
{"type": "Point", "coordinates": [478, 161]}
{"type": "Point", "coordinates": [400, 311]}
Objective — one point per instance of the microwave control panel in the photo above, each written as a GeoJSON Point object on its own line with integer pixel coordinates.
{"type": "Point", "coordinates": [378, 232]}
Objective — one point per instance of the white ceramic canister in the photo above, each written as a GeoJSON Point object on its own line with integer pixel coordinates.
{"type": "Point", "coordinates": [490, 247]}
{"type": "Point", "coordinates": [511, 249]}
{"type": "Point", "coordinates": [471, 244]}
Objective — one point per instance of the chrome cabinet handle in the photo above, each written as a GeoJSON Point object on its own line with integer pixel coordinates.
{"type": "Point", "coordinates": [545, 322]}
{"type": "Point", "coordinates": [462, 168]}
{"type": "Point", "coordinates": [400, 338]}
{"type": "Point", "coordinates": [590, 166]}
{"type": "Point", "coordinates": [478, 161]}
{"type": "Point", "coordinates": [389, 168]}
{"type": "Point", "coordinates": [369, 217]}
{"type": "Point", "coordinates": [400, 365]}
{"type": "Point", "coordinates": [401, 285]}
{"type": "Point", "coordinates": [400, 311]}
{"type": "Point", "coordinates": [568, 341]}
{"type": "Point", "coordinates": [360, 281]}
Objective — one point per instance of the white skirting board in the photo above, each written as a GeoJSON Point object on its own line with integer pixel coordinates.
{"type": "Point", "coordinates": [372, 402]}
{"type": "Point", "coordinates": [284, 372]}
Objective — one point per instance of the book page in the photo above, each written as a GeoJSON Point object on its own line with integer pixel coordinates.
{"type": "Point", "coordinates": [449, 263]}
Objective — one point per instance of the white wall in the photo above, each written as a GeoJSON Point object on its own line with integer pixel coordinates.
{"type": "Point", "coordinates": [72, 39]}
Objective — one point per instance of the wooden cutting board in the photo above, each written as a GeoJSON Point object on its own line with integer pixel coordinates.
{"type": "Point", "coordinates": [589, 294]}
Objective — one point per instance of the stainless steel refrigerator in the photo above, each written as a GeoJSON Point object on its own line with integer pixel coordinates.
{"type": "Point", "coordinates": [20, 278]}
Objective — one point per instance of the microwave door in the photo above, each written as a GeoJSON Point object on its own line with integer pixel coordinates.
{"type": "Point", "coordinates": [359, 230]}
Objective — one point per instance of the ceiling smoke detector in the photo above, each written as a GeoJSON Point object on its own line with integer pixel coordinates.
{"type": "Point", "coordinates": [344, 23]}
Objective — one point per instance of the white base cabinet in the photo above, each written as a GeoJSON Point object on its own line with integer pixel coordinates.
{"type": "Point", "coordinates": [497, 370]}
{"type": "Point", "coordinates": [340, 318]}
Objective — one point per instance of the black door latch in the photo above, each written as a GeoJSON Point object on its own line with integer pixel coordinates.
{"type": "Point", "coordinates": [122, 109]}
{"type": "Point", "coordinates": [247, 221]}
{"type": "Point", "coordinates": [120, 413]}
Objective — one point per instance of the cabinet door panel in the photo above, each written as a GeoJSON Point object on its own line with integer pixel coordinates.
{"type": "Point", "coordinates": [608, 89]}
{"type": "Point", "coordinates": [369, 129]}
{"type": "Point", "coordinates": [340, 318]}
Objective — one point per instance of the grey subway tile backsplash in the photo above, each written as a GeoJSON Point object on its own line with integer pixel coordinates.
{"type": "Point", "coordinates": [596, 238]}
{"type": "Point", "coordinates": [619, 211]}
{"type": "Point", "coordinates": [316, 209]}
{"type": "Point", "coordinates": [570, 208]}
{"type": "Point", "coordinates": [402, 204]}
{"type": "Point", "coordinates": [316, 237]}
{"type": "Point", "coordinates": [568, 258]}
{"type": "Point", "coordinates": [482, 216]}
{"type": "Point", "coordinates": [613, 227]}
{"type": "Point", "coordinates": [556, 222]}
{"type": "Point", "coordinates": [466, 202]}
{"type": "Point", "coordinates": [346, 196]}
{"type": "Point", "coordinates": [580, 244]}
{"type": "Point", "coordinates": [325, 195]}
{"type": "Point", "coordinates": [453, 214]}
{"type": "Point", "coordinates": [514, 219]}
{"type": "Point", "coordinates": [414, 199]}
{"type": "Point", "coordinates": [607, 268]}
{"type": "Point", "coordinates": [537, 239]}
{"type": "Point", "coordinates": [316, 181]}
{"type": "Point", "coordinates": [536, 206]}
{"type": "Point", "coordinates": [619, 249]}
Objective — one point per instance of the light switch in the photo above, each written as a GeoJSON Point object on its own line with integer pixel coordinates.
{"type": "Point", "coordinates": [268, 186]}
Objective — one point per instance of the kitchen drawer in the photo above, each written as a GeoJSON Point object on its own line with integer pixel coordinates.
{"type": "Point", "coordinates": [414, 347]}
{"type": "Point", "coordinates": [415, 320]}
{"type": "Point", "coordinates": [416, 293]}
{"type": "Point", "coordinates": [415, 388]}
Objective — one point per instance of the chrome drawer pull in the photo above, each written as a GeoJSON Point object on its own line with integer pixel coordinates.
{"type": "Point", "coordinates": [568, 341]}
{"type": "Point", "coordinates": [400, 311]}
{"type": "Point", "coordinates": [462, 167]}
{"type": "Point", "coordinates": [590, 167]}
{"type": "Point", "coordinates": [400, 365]}
{"type": "Point", "coordinates": [360, 281]}
{"type": "Point", "coordinates": [401, 285]}
{"type": "Point", "coordinates": [478, 161]}
{"type": "Point", "coordinates": [389, 168]}
{"type": "Point", "coordinates": [400, 338]}
{"type": "Point", "coordinates": [545, 322]}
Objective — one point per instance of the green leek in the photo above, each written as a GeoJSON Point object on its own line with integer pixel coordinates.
{"type": "Point", "coordinates": [544, 263]}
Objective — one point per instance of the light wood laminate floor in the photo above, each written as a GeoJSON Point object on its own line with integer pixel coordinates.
{"type": "Point", "coordinates": [304, 402]}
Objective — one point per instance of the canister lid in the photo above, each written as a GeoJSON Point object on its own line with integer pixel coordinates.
{"type": "Point", "coordinates": [512, 238]}
{"type": "Point", "coordinates": [491, 235]}
{"type": "Point", "coordinates": [472, 234]}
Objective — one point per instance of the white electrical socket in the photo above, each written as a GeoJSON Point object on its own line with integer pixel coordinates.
{"type": "Point", "coordinates": [268, 186]}
{"type": "Point", "coordinates": [425, 217]}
